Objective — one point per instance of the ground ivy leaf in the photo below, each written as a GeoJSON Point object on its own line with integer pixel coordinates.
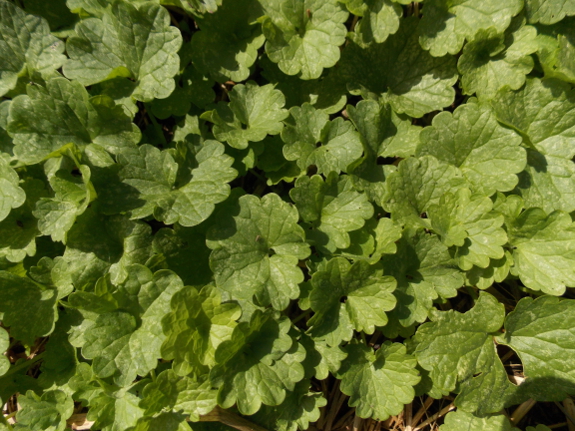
{"type": "Point", "coordinates": [46, 413]}
{"type": "Point", "coordinates": [68, 116]}
{"type": "Point", "coordinates": [130, 41]}
{"type": "Point", "coordinates": [26, 46]}
{"type": "Point", "coordinates": [258, 364]}
{"type": "Point", "coordinates": [29, 310]}
{"type": "Point", "coordinates": [115, 413]}
{"type": "Point", "coordinates": [164, 421]}
{"type": "Point", "coordinates": [196, 325]}
{"type": "Point", "coordinates": [543, 111]}
{"type": "Point", "coordinates": [4, 344]}
{"type": "Point", "coordinates": [300, 408]}
{"type": "Point", "coordinates": [366, 296]}
{"type": "Point", "coordinates": [540, 332]}
{"type": "Point", "coordinates": [304, 37]}
{"type": "Point", "coordinates": [175, 192]}
{"type": "Point", "coordinates": [332, 207]}
{"type": "Point", "coordinates": [455, 346]}
{"type": "Point", "coordinates": [489, 155]}
{"type": "Point", "coordinates": [497, 271]}
{"type": "Point", "coordinates": [415, 83]}
{"type": "Point", "coordinates": [467, 221]}
{"type": "Point", "coordinates": [544, 250]}
{"type": "Point", "coordinates": [228, 41]}
{"type": "Point", "coordinates": [99, 244]}
{"type": "Point", "coordinates": [508, 59]}
{"type": "Point", "coordinates": [382, 133]}
{"type": "Point", "coordinates": [311, 139]}
{"type": "Point", "coordinates": [460, 419]}
{"type": "Point", "coordinates": [256, 249]}
{"type": "Point", "coordinates": [56, 215]}
{"type": "Point", "coordinates": [126, 343]}
{"type": "Point", "coordinates": [417, 184]}
{"type": "Point", "coordinates": [364, 372]}
{"type": "Point", "coordinates": [556, 49]}
{"type": "Point", "coordinates": [424, 269]}
{"type": "Point", "coordinates": [326, 93]}
{"type": "Point", "coordinates": [252, 113]}
{"type": "Point", "coordinates": [178, 394]}
{"type": "Point", "coordinates": [5, 139]}
{"type": "Point", "coordinates": [445, 25]}
{"type": "Point", "coordinates": [175, 245]}
{"type": "Point", "coordinates": [380, 19]}
{"type": "Point", "coordinates": [11, 194]}
{"type": "Point", "coordinates": [548, 11]}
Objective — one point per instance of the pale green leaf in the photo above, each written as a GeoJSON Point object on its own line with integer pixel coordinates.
{"type": "Point", "coordinates": [412, 80]}
{"type": "Point", "coordinates": [364, 373]}
{"type": "Point", "coordinates": [543, 250]}
{"type": "Point", "coordinates": [311, 139]}
{"type": "Point", "coordinates": [255, 251]}
{"type": "Point", "coordinates": [197, 324]}
{"type": "Point", "coordinates": [446, 24]}
{"type": "Point", "coordinates": [46, 413]}
{"type": "Point", "coordinates": [128, 41]}
{"type": "Point", "coordinates": [348, 297]}
{"type": "Point", "coordinates": [461, 420]}
{"type": "Point", "coordinates": [252, 113]}
{"type": "Point", "coordinates": [4, 344]}
{"type": "Point", "coordinates": [26, 46]}
{"type": "Point", "coordinates": [488, 155]}
{"type": "Point", "coordinates": [68, 116]}
{"type": "Point", "coordinates": [11, 194]}
{"type": "Point", "coordinates": [548, 11]}
{"type": "Point", "coordinates": [304, 37]}
{"type": "Point", "coordinates": [380, 19]}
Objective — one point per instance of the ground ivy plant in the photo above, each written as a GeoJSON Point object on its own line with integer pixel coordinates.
{"type": "Point", "coordinates": [225, 207]}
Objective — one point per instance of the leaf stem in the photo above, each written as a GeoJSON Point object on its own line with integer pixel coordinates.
{"type": "Point", "coordinates": [157, 127]}
{"type": "Point", "coordinates": [25, 364]}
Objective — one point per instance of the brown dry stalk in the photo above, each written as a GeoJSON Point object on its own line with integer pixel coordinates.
{"type": "Point", "coordinates": [436, 416]}
{"type": "Point", "coordinates": [521, 411]}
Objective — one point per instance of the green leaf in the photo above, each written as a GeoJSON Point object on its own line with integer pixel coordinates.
{"type": "Point", "coordinates": [56, 12]}
{"type": "Point", "coordinates": [548, 11]}
{"type": "Point", "coordinates": [364, 372]}
{"type": "Point", "coordinates": [445, 25]}
{"type": "Point", "coordinates": [458, 420]}
{"type": "Point", "coordinates": [99, 244]}
{"type": "Point", "coordinates": [227, 44]}
{"type": "Point", "coordinates": [311, 139]}
{"type": "Point", "coordinates": [424, 269]}
{"type": "Point", "coordinates": [255, 251]}
{"type": "Point", "coordinates": [185, 193]}
{"type": "Point", "coordinates": [417, 184]}
{"type": "Point", "coordinates": [179, 394]}
{"type": "Point", "coordinates": [26, 46]}
{"type": "Point", "coordinates": [488, 155]}
{"type": "Point", "coordinates": [543, 250]}
{"type": "Point", "coordinates": [115, 413]}
{"type": "Point", "coordinates": [467, 221]}
{"type": "Point", "coordinates": [543, 112]}
{"type": "Point", "coordinates": [5, 139]}
{"type": "Point", "coordinates": [380, 19]}
{"type": "Point", "coordinates": [11, 194]}
{"type": "Point", "coordinates": [56, 215]}
{"type": "Point", "coordinates": [127, 41]}
{"type": "Point", "coordinates": [304, 37]}
{"type": "Point", "coordinates": [258, 364]}
{"type": "Point", "coordinates": [497, 271]}
{"type": "Point", "coordinates": [300, 408]}
{"type": "Point", "coordinates": [538, 330]}
{"type": "Point", "coordinates": [68, 116]}
{"type": "Point", "coordinates": [492, 60]}
{"type": "Point", "coordinates": [347, 297]}
{"type": "Point", "coordinates": [165, 421]}
{"type": "Point", "coordinates": [252, 113]}
{"type": "Point", "coordinates": [126, 343]}
{"type": "Point", "coordinates": [332, 208]}
{"type": "Point", "coordinates": [175, 246]}
{"type": "Point", "coordinates": [4, 344]}
{"type": "Point", "coordinates": [197, 324]}
{"type": "Point", "coordinates": [556, 49]}
{"type": "Point", "coordinates": [29, 310]}
{"type": "Point", "coordinates": [46, 413]}
{"type": "Point", "coordinates": [455, 346]}
{"type": "Point", "coordinates": [415, 83]}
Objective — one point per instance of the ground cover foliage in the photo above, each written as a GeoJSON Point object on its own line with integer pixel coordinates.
{"type": "Point", "coordinates": [270, 209]}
